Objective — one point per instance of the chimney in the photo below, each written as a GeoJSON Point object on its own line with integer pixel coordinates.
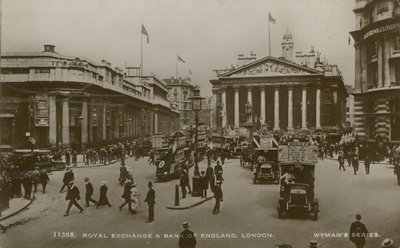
{"type": "Point", "coordinates": [49, 48]}
{"type": "Point", "coordinates": [109, 64]}
{"type": "Point", "coordinates": [103, 61]}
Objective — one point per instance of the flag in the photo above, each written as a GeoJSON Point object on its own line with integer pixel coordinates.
{"type": "Point", "coordinates": [190, 72]}
{"type": "Point", "coordinates": [270, 18]}
{"type": "Point", "coordinates": [349, 40]}
{"type": "Point", "coordinates": [180, 59]}
{"type": "Point", "coordinates": [144, 31]}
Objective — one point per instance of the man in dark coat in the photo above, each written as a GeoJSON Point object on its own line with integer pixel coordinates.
{"type": "Point", "coordinates": [341, 161]}
{"type": "Point", "coordinates": [210, 177]}
{"type": "Point", "coordinates": [127, 195]}
{"type": "Point", "coordinates": [186, 175]}
{"type": "Point", "coordinates": [367, 164]}
{"type": "Point", "coordinates": [204, 184]}
{"type": "Point", "coordinates": [27, 183]}
{"type": "Point", "coordinates": [186, 237]}
{"type": "Point", "coordinates": [358, 232]}
{"type": "Point", "coordinates": [182, 184]}
{"type": "Point", "coordinates": [217, 168]}
{"type": "Point", "coordinates": [151, 200]}
{"type": "Point", "coordinates": [73, 196]}
{"type": "Point", "coordinates": [68, 177]}
{"type": "Point", "coordinates": [218, 197]}
{"type": "Point", "coordinates": [89, 192]}
{"type": "Point", "coordinates": [44, 179]}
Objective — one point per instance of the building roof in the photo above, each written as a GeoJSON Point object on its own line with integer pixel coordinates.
{"type": "Point", "coordinates": [178, 82]}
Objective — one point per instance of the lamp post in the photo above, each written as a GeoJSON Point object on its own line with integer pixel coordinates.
{"type": "Point", "coordinates": [221, 111]}
{"type": "Point", "coordinates": [196, 107]}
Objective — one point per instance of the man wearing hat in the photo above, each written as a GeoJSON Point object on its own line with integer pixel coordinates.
{"type": "Point", "coordinates": [387, 243]}
{"type": "Point", "coordinates": [89, 192]}
{"type": "Point", "coordinates": [135, 198]}
{"type": "Point", "coordinates": [68, 176]}
{"type": "Point", "coordinates": [151, 201]}
{"type": "Point", "coordinates": [186, 237]}
{"type": "Point", "coordinates": [313, 244]}
{"type": "Point", "coordinates": [44, 179]}
{"type": "Point", "coordinates": [218, 197]}
{"type": "Point", "coordinates": [358, 232]}
{"type": "Point", "coordinates": [73, 197]}
{"type": "Point", "coordinates": [127, 195]}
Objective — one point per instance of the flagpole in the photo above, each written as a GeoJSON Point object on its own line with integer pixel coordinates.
{"type": "Point", "coordinates": [269, 35]}
{"type": "Point", "coordinates": [141, 54]}
{"type": "Point", "coordinates": [176, 68]}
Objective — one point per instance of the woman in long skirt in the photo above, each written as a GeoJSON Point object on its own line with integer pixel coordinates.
{"type": "Point", "coordinates": [103, 200]}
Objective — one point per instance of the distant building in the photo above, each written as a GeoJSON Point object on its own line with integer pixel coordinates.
{"type": "Point", "coordinates": [285, 93]}
{"type": "Point", "coordinates": [206, 114]}
{"type": "Point", "coordinates": [63, 101]}
{"type": "Point", "coordinates": [377, 70]}
{"type": "Point", "coordinates": [180, 92]}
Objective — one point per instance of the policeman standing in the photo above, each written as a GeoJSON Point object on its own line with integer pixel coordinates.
{"type": "Point", "coordinates": [186, 237]}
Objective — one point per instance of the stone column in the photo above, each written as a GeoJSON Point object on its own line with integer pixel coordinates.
{"type": "Point", "coordinates": [65, 123]}
{"type": "Point", "coordinates": [380, 63]}
{"type": "Point", "coordinates": [386, 68]}
{"type": "Point", "coordinates": [52, 121]}
{"type": "Point", "coordinates": [276, 109]}
{"type": "Point", "coordinates": [304, 108]}
{"type": "Point", "coordinates": [104, 121]}
{"type": "Point", "coordinates": [155, 121]}
{"type": "Point", "coordinates": [318, 109]}
{"type": "Point", "coordinates": [290, 108]}
{"type": "Point", "coordinates": [84, 124]}
{"type": "Point", "coordinates": [236, 105]}
{"type": "Point", "coordinates": [262, 109]}
{"type": "Point", "coordinates": [223, 98]}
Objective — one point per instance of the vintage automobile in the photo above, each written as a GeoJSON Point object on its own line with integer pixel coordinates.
{"type": "Point", "coordinates": [297, 196]}
{"type": "Point", "coordinates": [297, 158]}
{"type": "Point", "coordinates": [266, 168]}
{"type": "Point", "coordinates": [28, 161]}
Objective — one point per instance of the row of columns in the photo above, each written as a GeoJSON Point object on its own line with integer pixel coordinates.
{"type": "Point", "coordinates": [132, 121]}
{"type": "Point", "coordinates": [276, 107]}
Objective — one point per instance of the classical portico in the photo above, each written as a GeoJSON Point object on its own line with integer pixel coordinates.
{"type": "Point", "coordinates": [282, 94]}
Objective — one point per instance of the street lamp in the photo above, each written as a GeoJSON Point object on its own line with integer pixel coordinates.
{"type": "Point", "coordinates": [196, 107]}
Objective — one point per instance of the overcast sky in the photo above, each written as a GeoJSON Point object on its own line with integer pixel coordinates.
{"type": "Point", "coordinates": [207, 34]}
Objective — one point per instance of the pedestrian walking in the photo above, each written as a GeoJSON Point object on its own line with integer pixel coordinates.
{"type": "Point", "coordinates": [218, 198]}
{"type": "Point", "coordinates": [73, 196]}
{"type": "Point", "coordinates": [68, 176]}
{"type": "Point", "coordinates": [182, 184]}
{"type": "Point", "coordinates": [186, 175]}
{"type": "Point", "coordinates": [74, 158]}
{"type": "Point", "coordinates": [126, 195]}
{"type": "Point", "coordinates": [204, 184]}
{"type": "Point", "coordinates": [341, 162]}
{"type": "Point", "coordinates": [387, 243]}
{"type": "Point", "coordinates": [358, 232]}
{"type": "Point", "coordinates": [210, 177]}
{"type": "Point", "coordinates": [217, 168]}
{"type": "Point", "coordinates": [89, 192]}
{"type": "Point", "coordinates": [27, 184]}
{"type": "Point", "coordinates": [367, 164]}
{"type": "Point", "coordinates": [355, 164]}
{"type": "Point", "coordinates": [223, 156]}
{"type": "Point", "coordinates": [349, 158]}
{"type": "Point", "coordinates": [103, 199]}
{"type": "Point", "coordinates": [44, 179]}
{"type": "Point", "coordinates": [151, 201]}
{"type": "Point", "coordinates": [186, 237]}
{"type": "Point", "coordinates": [35, 178]}
{"type": "Point", "coordinates": [67, 158]}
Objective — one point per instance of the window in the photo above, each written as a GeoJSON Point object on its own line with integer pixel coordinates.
{"type": "Point", "coordinates": [382, 9]}
{"type": "Point", "coordinates": [397, 42]}
{"type": "Point", "coordinates": [372, 75]}
{"type": "Point", "coordinates": [397, 71]}
{"type": "Point", "coordinates": [372, 49]}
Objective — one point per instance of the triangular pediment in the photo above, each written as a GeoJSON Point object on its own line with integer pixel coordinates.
{"type": "Point", "coordinates": [270, 67]}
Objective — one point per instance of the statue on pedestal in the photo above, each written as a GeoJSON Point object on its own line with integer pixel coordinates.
{"type": "Point", "coordinates": [248, 110]}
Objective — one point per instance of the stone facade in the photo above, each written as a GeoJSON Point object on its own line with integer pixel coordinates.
{"type": "Point", "coordinates": [377, 70]}
{"type": "Point", "coordinates": [69, 101]}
